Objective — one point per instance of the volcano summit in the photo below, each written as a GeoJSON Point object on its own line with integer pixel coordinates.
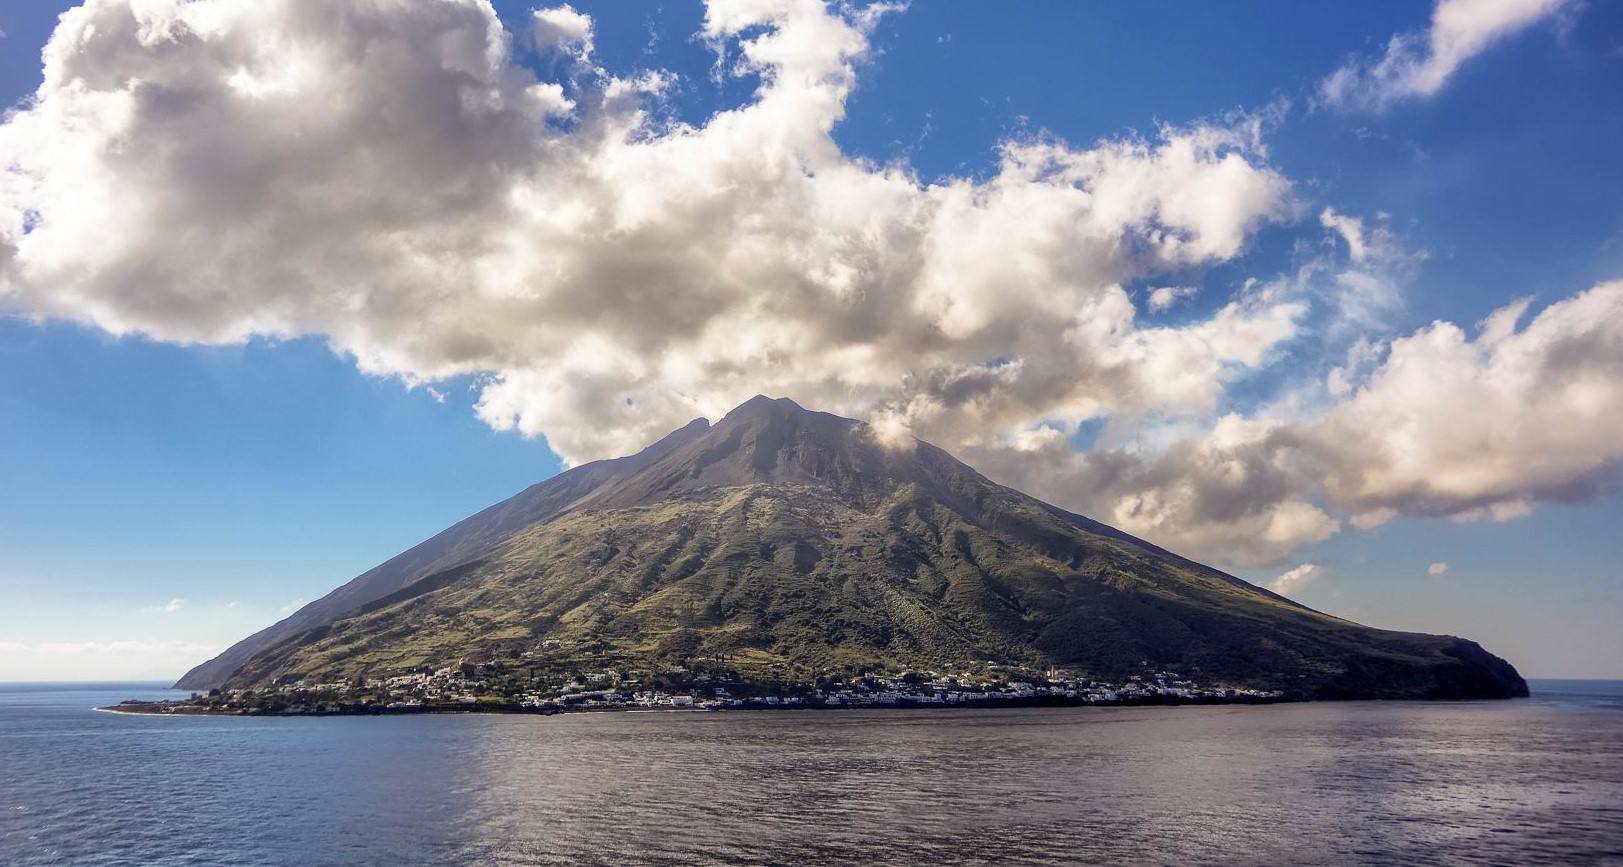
{"type": "Point", "coordinates": [782, 550]}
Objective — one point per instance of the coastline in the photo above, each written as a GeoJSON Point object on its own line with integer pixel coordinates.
{"type": "Point", "coordinates": [183, 708]}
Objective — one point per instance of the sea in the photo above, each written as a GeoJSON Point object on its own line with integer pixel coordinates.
{"type": "Point", "coordinates": [1528, 781]}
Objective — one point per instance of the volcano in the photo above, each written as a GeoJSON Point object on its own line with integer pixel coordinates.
{"type": "Point", "coordinates": [790, 544]}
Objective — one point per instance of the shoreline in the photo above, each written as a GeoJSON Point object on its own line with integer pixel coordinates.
{"type": "Point", "coordinates": [175, 709]}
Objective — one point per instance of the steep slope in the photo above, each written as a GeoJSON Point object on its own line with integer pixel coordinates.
{"type": "Point", "coordinates": [457, 544]}
{"type": "Point", "coordinates": [791, 544]}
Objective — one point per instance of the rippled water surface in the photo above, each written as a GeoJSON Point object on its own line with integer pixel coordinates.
{"type": "Point", "coordinates": [1536, 781]}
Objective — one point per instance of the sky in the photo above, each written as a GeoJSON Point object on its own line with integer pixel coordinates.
{"type": "Point", "coordinates": [1329, 296]}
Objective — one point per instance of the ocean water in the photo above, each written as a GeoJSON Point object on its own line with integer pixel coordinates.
{"type": "Point", "coordinates": [1535, 781]}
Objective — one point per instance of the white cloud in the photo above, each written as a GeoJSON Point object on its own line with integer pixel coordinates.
{"type": "Point", "coordinates": [1418, 64]}
{"type": "Point", "coordinates": [562, 29]}
{"type": "Point", "coordinates": [384, 175]}
{"type": "Point", "coordinates": [1163, 297]}
{"type": "Point", "coordinates": [1351, 230]}
{"type": "Point", "coordinates": [1438, 568]}
{"type": "Point", "coordinates": [1373, 518]}
{"type": "Point", "coordinates": [1434, 423]}
{"type": "Point", "coordinates": [293, 606]}
{"type": "Point", "coordinates": [1296, 579]}
{"type": "Point", "coordinates": [169, 607]}
{"type": "Point", "coordinates": [108, 660]}
{"type": "Point", "coordinates": [1226, 494]}
{"type": "Point", "coordinates": [1449, 424]}
{"type": "Point", "coordinates": [1367, 291]}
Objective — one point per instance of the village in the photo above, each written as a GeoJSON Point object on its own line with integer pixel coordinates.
{"type": "Point", "coordinates": [492, 688]}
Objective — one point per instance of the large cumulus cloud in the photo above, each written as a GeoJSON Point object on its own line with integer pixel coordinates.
{"type": "Point", "coordinates": [1439, 422]}
{"type": "Point", "coordinates": [384, 173]}
{"type": "Point", "coordinates": [387, 175]}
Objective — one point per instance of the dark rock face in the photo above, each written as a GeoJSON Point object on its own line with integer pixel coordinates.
{"type": "Point", "coordinates": [793, 541]}
{"type": "Point", "coordinates": [1468, 672]}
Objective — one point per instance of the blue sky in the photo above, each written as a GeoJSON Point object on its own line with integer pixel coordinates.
{"type": "Point", "coordinates": [181, 468]}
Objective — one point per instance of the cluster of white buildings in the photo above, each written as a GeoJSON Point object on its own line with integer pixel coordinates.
{"type": "Point", "coordinates": [904, 690]}
{"type": "Point", "coordinates": [968, 689]}
{"type": "Point", "coordinates": [608, 689]}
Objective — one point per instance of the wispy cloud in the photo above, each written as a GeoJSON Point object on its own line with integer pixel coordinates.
{"type": "Point", "coordinates": [169, 607]}
{"type": "Point", "coordinates": [1296, 579]}
{"type": "Point", "coordinates": [1418, 64]}
{"type": "Point", "coordinates": [1369, 288]}
{"type": "Point", "coordinates": [293, 606]}
{"type": "Point", "coordinates": [1438, 568]}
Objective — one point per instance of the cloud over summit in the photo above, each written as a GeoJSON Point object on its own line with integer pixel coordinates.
{"type": "Point", "coordinates": [391, 177]}
{"type": "Point", "coordinates": [387, 176]}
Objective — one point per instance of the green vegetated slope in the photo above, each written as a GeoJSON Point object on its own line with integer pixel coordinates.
{"type": "Point", "coordinates": [790, 543]}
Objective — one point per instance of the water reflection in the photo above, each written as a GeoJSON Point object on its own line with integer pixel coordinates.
{"type": "Point", "coordinates": [1511, 783]}
{"type": "Point", "coordinates": [1305, 784]}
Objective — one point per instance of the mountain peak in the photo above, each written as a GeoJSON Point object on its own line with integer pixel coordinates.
{"type": "Point", "coordinates": [764, 440]}
{"type": "Point", "coordinates": [763, 408]}
{"type": "Point", "coordinates": [761, 402]}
